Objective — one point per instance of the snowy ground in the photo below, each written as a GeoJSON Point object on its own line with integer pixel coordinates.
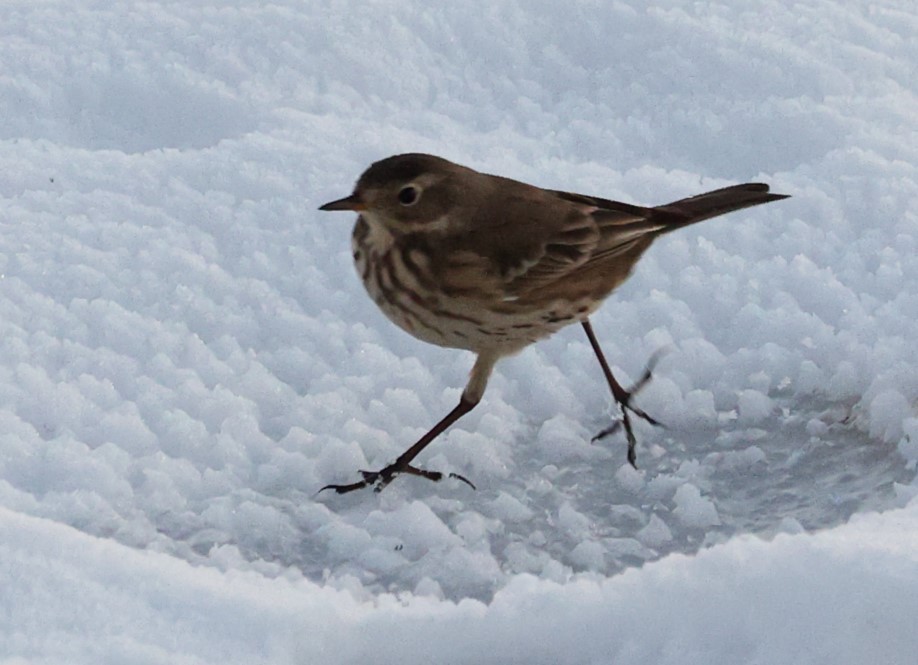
{"type": "Point", "coordinates": [186, 354]}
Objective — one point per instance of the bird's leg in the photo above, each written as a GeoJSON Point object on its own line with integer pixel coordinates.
{"type": "Point", "coordinates": [384, 476]}
{"type": "Point", "coordinates": [622, 396]}
{"type": "Point", "coordinates": [470, 398]}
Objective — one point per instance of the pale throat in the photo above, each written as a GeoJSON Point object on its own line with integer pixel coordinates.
{"type": "Point", "coordinates": [379, 237]}
{"type": "Point", "coordinates": [384, 231]}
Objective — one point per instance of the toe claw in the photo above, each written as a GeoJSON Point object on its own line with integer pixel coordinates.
{"type": "Point", "coordinates": [380, 479]}
{"type": "Point", "coordinates": [344, 489]}
{"type": "Point", "coordinates": [611, 429]}
{"type": "Point", "coordinates": [623, 399]}
{"type": "Point", "coordinates": [468, 482]}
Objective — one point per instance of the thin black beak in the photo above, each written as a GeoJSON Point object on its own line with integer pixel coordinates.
{"type": "Point", "coordinates": [351, 202]}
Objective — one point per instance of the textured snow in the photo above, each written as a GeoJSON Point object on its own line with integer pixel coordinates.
{"type": "Point", "coordinates": [843, 596]}
{"type": "Point", "coordinates": [186, 354]}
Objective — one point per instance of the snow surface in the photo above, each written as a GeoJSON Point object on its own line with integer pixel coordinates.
{"type": "Point", "coordinates": [186, 355]}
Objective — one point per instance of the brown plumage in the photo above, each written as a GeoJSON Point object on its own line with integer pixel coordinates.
{"type": "Point", "coordinates": [474, 261]}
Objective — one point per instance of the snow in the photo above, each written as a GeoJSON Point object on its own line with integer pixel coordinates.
{"type": "Point", "coordinates": [186, 355]}
{"type": "Point", "coordinates": [844, 595]}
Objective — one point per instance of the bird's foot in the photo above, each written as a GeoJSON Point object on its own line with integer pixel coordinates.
{"type": "Point", "coordinates": [380, 479]}
{"type": "Point", "coordinates": [623, 399]}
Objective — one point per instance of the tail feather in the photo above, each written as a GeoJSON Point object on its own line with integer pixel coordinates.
{"type": "Point", "coordinates": [698, 208]}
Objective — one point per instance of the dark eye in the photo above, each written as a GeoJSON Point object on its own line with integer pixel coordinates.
{"type": "Point", "coordinates": [408, 195]}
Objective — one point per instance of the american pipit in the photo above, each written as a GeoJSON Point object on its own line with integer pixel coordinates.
{"type": "Point", "coordinates": [474, 261]}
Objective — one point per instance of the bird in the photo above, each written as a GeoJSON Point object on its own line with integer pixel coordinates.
{"type": "Point", "coordinates": [469, 260]}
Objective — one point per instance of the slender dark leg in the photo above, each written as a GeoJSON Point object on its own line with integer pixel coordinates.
{"type": "Point", "coordinates": [384, 476]}
{"type": "Point", "coordinates": [478, 380]}
{"type": "Point", "coordinates": [622, 396]}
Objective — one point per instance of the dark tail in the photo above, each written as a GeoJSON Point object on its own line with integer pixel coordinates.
{"type": "Point", "coordinates": [719, 202]}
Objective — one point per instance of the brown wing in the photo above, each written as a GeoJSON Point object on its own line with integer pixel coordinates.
{"type": "Point", "coordinates": [531, 244]}
{"type": "Point", "coordinates": [614, 232]}
{"type": "Point", "coordinates": [519, 237]}
{"type": "Point", "coordinates": [626, 231]}
{"type": "Point", "coordinates": [525, 239]}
